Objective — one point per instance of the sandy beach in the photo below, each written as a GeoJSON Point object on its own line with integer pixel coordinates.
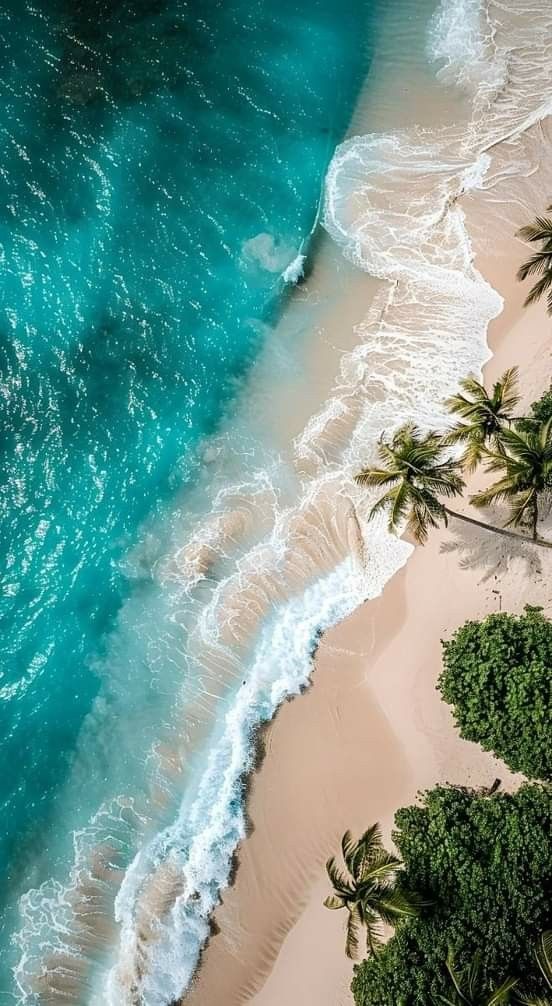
{"type": "Point", "coordinates": [372, 732]}
{"type": "Point", "coordinates": [246, 244]}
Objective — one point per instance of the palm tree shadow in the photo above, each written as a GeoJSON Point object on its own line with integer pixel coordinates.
{"type": "Point", "coordinates": [488, 552]}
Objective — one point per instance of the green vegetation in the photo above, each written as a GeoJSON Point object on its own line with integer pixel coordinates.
{"type": "Point", "coordinates": [417, 469]}
{"type": "Point", "coordinates": [539, 412]}
{"type": "Point", "coordinates": [369, 890]}
{"type": "Point", "coordinates": [540, 262]}
{"type": "Point", "coordinates": [414, 472]}
{"type": "Point", "coordinates": [483, 415]}
{"type": "Point", "coordinates": [485, 864]}
{"type": "Point", "coordinates": [478, 931]}
{"type": "Point", "coordinates": [497, 677]}
{"type": "Point", "coordinates": [543, 957]}
{"type": "Point", "coordinates": [467, 987]}
{"type": "Point", "coordinates": [525, 461]}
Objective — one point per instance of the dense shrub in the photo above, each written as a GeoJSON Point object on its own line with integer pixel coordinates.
{"type": "Point", "coordinates": [486, 863]}
{"type": "Point", "coordinates": [497, 676]}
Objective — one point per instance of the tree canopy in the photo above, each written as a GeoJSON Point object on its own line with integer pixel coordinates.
{"type": "Point", "coordinates": [486, 864]}
{"type": "Point", "coordinates": [483, 415]}
{"type": "Point", "coordinates": [497, 678]}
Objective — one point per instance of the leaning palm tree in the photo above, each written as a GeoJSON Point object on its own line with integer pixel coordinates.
{"type": "Point", "coordinates": [368, 890]}
{"type": "Point", "coordinates": [468, 988]}
{"type": "Point", "coordinates": [540, 262]}
{"type": "Point", "coordinates": [483, 415]}
{"type": "Point", "coordinates": [416, 470]}
{"type": "Point", "coordinates": [525, 463]}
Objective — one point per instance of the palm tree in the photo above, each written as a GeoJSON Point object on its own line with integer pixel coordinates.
{"type": "Point", "coordinates": [468, 988]}
{"type": "Point", "coordinates": [540, 262]}
{"type": "Point", "coordinates": [368, 890]}
{"type": "Point", "coordinates": [416, 470]}
{"type": "Point", "coordinates": [526, 463]}
{"type": "Point", "coordinates": [543, 956]}
{"type": "Point", "coordinates": [483, 415]}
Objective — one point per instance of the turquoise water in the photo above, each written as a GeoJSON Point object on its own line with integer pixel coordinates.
{"type": "Point", "coordinates": [162, 166]}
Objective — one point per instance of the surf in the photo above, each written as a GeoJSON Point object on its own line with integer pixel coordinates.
{"type": "Point", "coordinates": [287, 548]}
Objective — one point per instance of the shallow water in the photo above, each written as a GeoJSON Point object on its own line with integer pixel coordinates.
{"type": "Point", "coordinates": [224, 558]}
{"type": "Point", "coordinates": [163, 165]}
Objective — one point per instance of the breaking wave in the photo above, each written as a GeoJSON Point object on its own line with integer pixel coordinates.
{"type": "Point", "coordinates": [287, 549]}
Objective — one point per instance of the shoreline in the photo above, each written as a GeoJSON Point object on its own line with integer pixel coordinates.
{"type": "Point", "coordinates": [282, 563]}
{"type": "Point", "coordinates": [273, 932]}
{"type": "Point", "coordinates": [285, 556]}
{"type": "Point", "coordinates": [274, 941]}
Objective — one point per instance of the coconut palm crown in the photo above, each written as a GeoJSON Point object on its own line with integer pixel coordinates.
{"type": "Point", "coordinates": [525, 464]}
{"type": "Point", "coordinates": [540, 263]}
{"type": "Point", "coordinates": [468, 988]}
{"type": "Point", "coordinates": [368, 890]}
{"type": "Point", "coordinates": [416, 470]}
{"type": "Point", "coordinates": [483, 415]}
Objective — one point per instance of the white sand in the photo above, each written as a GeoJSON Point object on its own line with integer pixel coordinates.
{"type": "Point", "coordinates": [372, 730]}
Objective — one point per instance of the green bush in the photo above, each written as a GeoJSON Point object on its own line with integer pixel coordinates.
{"type": "Point", "coordinates": [486, 864]}
{"type": "Point", "coordinates": [539, 412]}
{"type": "Point", "coordinates": [497, 677]}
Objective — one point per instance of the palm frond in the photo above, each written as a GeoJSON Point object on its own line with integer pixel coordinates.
{"type": "Point", "coordinates": [381, 866]}
{"type": "Point", "coordinates": [419, 523]}
{"type": "Point", "coordinates": [339, 881]}
{"type": "Point", "coordinates": [536, 263]}
{"type": "Point", "coordinates": [456, 978]}
{"type": "Point", "coordinates": [473, 455]}
{"type": "Point", "coordinates": [507, 388]}
{"type": "Point", "coordinates": [544, 433]}
{"type": "Point", "coordinates": [457, 435]}
{"type": "Point", "coordinates": [374, 932]}
{"type": "Point", "coordinates": [541, 287]}
{"type": "Point", "coordinates": [473, 387]}
{"type": "Point", "coordinates": [352, 942]}
{"type": "Point", "coordinates": [334, 901]}
{"type": "Point", "coordinates": [397, 904]}
{"type": "Point", "coordinates": [519, 507]}
{"type": "Point", "coordinates": [541, 230]}
{"type": "Point", "coordinates": [399, 507]}
{"type": "Point", "coordinates": [543, 954]}
{"type": "Point", "coordinates": [348, 848]}
{"type": "Point", "coordinates": [502, 993]}
{"type": "Point", "coordinates": [368, 847]}
{"type": "Point", "coordinates": [373, 477]}
{"type": "Point", "coordinates": [471, 976]}
{"type": "Point", "coordinates": [384, 502]}
{"type": "Point", "coordinates": [500, 491]}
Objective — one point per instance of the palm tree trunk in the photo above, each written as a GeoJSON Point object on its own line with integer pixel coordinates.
{"type": "Point", "coordinates": [535, 517]}
{"type": "Point", "coordinates": [498, 530]}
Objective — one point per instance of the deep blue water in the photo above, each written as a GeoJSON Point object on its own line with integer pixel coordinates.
{"type": "Point", "coordinates": [162, 162]}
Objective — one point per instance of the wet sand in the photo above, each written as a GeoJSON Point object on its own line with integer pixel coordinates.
{"type": "Point", "coordinates": [372, 731]}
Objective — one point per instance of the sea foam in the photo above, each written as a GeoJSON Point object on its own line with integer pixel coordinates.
{"type": "Point", "coordinates": [284, 557]}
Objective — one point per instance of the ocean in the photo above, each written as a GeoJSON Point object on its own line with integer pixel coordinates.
{"type": "Point", "coordinates": [174, 544]}
{"type": "Point", "coordinates": [163, 166]}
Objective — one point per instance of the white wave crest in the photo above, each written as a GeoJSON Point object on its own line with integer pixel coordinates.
{"type": "Point", "coordinates": [287, 549]}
